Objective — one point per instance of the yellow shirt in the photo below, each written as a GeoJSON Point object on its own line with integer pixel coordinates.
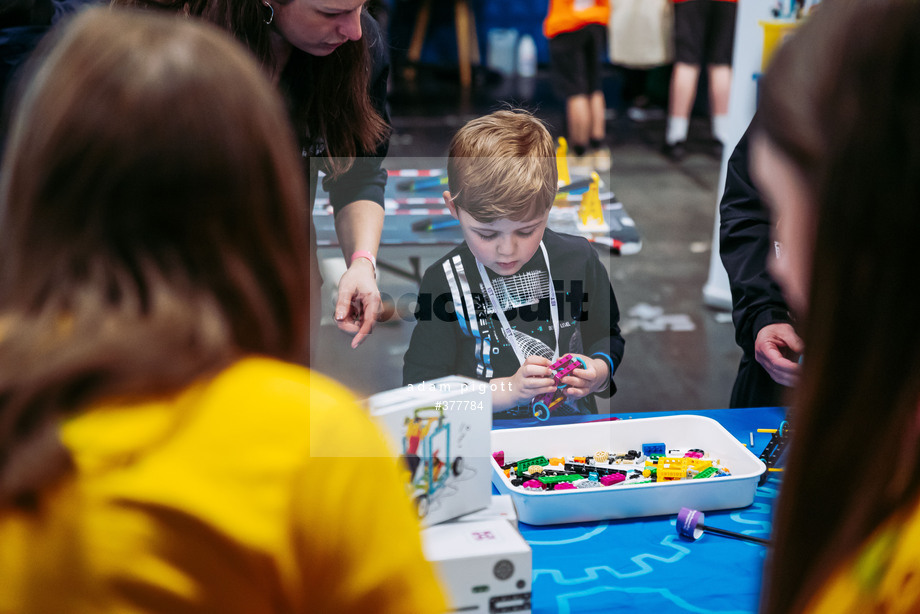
{"type": "Point", "coordinates": [884, 576]}
{"type": "Point", "coordinates": [265, 489]}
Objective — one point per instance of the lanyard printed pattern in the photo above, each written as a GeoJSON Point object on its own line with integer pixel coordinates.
{"type": "Point", "coordinates": [503, 319]}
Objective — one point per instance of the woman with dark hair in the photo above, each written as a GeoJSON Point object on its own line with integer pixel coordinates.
{"type": "Point", "coordinates": [332, 63]}
{"type": "Point", "coordinates": [837, 153]}
{"type": "Point", "coordinates": [160, 450]}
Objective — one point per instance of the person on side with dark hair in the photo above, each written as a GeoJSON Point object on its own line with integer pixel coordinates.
{"type": "Point", "coordinates": [161, 450]}
{"type": "Point", "coordinates": [837, 156]}
{"type": "Point", "coordinates": [331, 61]}
{"type": "Point", "coordinates": [764, 326]}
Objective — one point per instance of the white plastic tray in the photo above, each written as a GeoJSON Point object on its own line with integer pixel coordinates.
{"type": "Point", "coordinates": [628, 501]}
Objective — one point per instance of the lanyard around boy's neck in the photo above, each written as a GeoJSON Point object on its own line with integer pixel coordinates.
{"type": "Point", "coordinates": [503, 319]}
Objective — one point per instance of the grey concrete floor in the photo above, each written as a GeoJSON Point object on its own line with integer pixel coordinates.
{"type": "Point", "coordinates": [680, 353]}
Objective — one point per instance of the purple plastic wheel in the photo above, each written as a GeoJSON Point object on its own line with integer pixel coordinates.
{"type": "Point", "coordinates": [687, 521]}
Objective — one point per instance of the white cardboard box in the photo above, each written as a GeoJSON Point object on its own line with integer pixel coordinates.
{"type": "Point", "coordinates": [501, 506]}
{"type": "Point", "coordinates": [441, 429]}
{"type": "Point", "coordinates": [485, 566]}
{"type": "Point", "coordinates": [627, 500]}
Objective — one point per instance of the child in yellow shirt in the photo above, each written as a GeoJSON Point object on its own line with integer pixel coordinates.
{"type": "Point", "coordinates": [162, 450]}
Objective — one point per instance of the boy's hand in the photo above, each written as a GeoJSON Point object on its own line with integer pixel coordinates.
{"type": "Point", "coordinates": [533, 378]}
{"type": "Point", "coordinates": [593, 378]}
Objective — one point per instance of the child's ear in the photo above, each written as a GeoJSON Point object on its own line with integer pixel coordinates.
{"type": "Point", "coordinates": [449, 201]}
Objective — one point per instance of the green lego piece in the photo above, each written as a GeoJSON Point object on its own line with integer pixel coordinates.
{"type": "Point", "coordinates": [555, 479]}
{"type": "Point", "coordinates": [523, 465]}
{"type": "Point", "coordinates": [706, 473]}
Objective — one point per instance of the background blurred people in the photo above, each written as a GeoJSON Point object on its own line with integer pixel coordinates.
{"type": "Point", "coordinates": [838, 160]}
{"type": "Point", "coordinates": [704, 32]}
{"type": "Point", "coordinates": [160, 450]}
{"type": "Point", "coordinates": [577, 33]}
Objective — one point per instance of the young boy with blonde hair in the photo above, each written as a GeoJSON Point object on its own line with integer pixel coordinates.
{"type": "Point", "coordinates": [515, 295]}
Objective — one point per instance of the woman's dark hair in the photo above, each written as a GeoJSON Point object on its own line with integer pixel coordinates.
{"type": "Point", "coordinates": [841, 100]}
{"type": "Point", "coordinates": [153, 213]}
{"type": "Point", "coordinates": [328, 96]}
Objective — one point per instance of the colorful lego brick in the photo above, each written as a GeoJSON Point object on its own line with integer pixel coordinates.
{"type": "Point", "coordinates": [522, 465]}
{"type": "Point", "coordinates": [557, 479]}
{"type": "Point", "coordinates": [699, 464]}
{"type": "Point", "coordinates": [542, 404]}
{"type": "Point", "coordinates": [499, 457]}
{"type": "Point", "coordinates": [650, 449]}
{"type": "Point", "coordinates": [532, 485]}
{"type": "Point", "coordinates": [612, 478]}
{"type": "Point", "coordinates": [708, 472]}
{"type": "Point", "coordinates": [672, 469]}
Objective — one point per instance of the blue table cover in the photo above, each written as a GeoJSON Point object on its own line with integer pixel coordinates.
{"type": "Point", "coordinates": [641, 565]}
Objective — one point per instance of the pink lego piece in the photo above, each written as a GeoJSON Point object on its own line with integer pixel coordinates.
{"type": "Point", "coordinates": [533, 485]}
{"type": "Point", "coordinates": [564, 486]}
{"type": "Point", "coordinates": [564, 366]}
{"type": "Point", "coordinates": [499, 457]}
{"type": "Point", "coordinates": [612, 478]}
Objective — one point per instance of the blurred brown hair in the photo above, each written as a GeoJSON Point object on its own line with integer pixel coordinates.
{"type": "Point", "coordinates": [152, 204]}
{"type": "Point", "coordinates": [841, 100]}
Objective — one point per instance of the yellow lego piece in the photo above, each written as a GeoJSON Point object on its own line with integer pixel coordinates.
{"type": "Point", "coordinates": [672, 472]}
{"type": "Point", "coordinates": [562, 162]}
{"type": "Point", "coordinates": [699, 464]}
{"type": "Point", "coordinates": [590, 212]}
{"type": "Point", "coordinates": [679, 468]}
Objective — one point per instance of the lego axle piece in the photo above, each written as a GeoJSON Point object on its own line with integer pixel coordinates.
{"type": "Point", "coordinates": [690, 526]}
